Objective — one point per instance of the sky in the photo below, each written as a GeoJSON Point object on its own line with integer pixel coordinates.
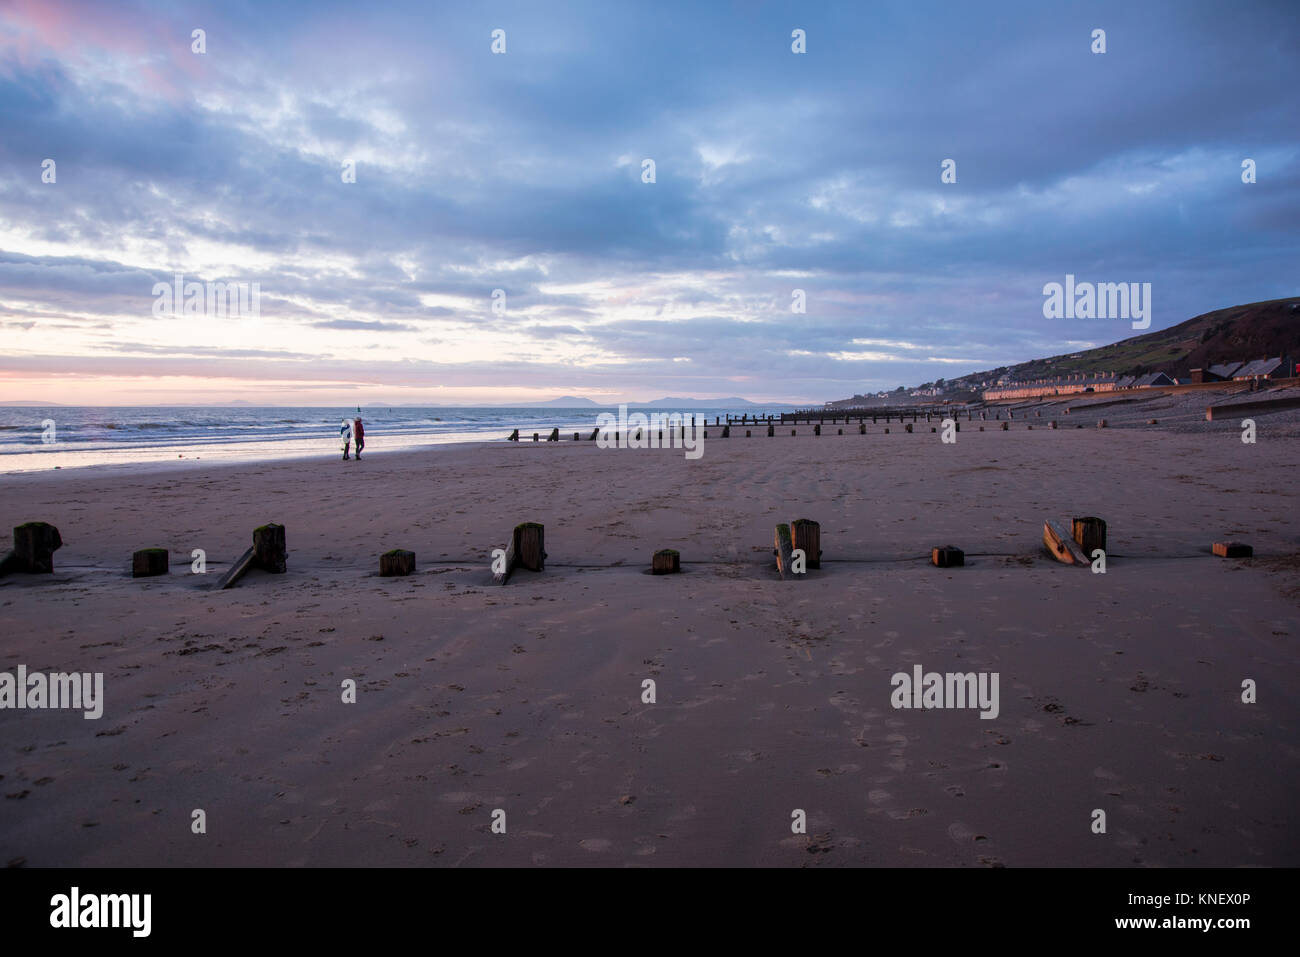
{"type": "Point", "coordinates": [524, 171]}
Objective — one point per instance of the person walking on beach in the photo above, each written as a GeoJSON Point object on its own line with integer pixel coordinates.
{"type": "Point", "coordinates": [359, 435]}
{"type": "Point", "coordinates": [345, 431]}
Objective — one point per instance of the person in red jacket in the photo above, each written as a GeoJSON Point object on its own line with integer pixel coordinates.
{"type": "Point", "coordinates": [358, 435]}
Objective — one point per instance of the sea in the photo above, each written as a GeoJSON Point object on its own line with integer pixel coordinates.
{"type": "Point", "coordinates": [59, 437]}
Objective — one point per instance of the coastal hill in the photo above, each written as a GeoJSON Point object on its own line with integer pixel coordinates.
{"type": "Point", "coordinates": [1255, 330]}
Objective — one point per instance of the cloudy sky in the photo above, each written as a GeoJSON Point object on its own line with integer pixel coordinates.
{"type": "Point", "coordinates": [523, 172]}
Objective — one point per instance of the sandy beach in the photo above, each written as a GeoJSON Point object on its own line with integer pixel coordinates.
{"type": "Point", "coordinates": [1119, 692]}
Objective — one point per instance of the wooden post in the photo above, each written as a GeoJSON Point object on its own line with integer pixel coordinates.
{"type": "Point", "coordinates": [1233, 550]}
{"type": "Point", "coordinates": [792, 431]}
{"type": "Point", "coordinates": [1052, 424]}
{"type": "Point", "coordinates": [1101, 423]}
{"type": "Point", "coordinates": [726, 431]}
{"type": "Point", "coordinates": [1005, 426]}
{"type": "Point", "coordinates": [513, 436]}
{"type": "Point", "coordinates": [536, 436]}
{"type": "Point", "coordinates": [747, 433]}
{"type": "Point", "coordinates": [554, 436]}
{"type": "Point", "coordinates": [396, 563]}
{"type": "Point", "coordinates": [1062, 546]}
{"type": "Point", "coordinates": [817, 429]}
{"type": "Point", "coordinates": [594, 432]}
{"type": "Point", "coordinates": [269, 548]}
{"type": "Point", "coordinates": [840, 432]}
{"type": "Point", "coordinates": [1090, 533]}
{"type": "Point", "coordinates": [148, 562]}
{"type": "Point", "coordinates": [782, 549]}
{"type": "Point", "coordinates": [862, 428]}
{"type": "Point", "coordinates": [908, 428]}
{"type": "Point", "coordinates": [807, 534]}
{"type": "Point", "coordinates": [34, 546]}
{"type": "Point", "coordinates": [575, 436]}
{"type": "Point", "coordinates": [530, 545]}
{"type": "Point", "coordinates": [666, 561]}
{"type": "Point", "coordinates": [771, 431]}
{"type": "Point", "coordinates": [947, 556]}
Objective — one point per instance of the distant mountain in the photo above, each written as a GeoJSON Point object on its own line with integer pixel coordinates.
{"type": "Point", "coordinates": [732, 403]}
{"type": "Point", "coordinates": [563, 402]}
{"type": "Point", "coordinates": [26, 403]}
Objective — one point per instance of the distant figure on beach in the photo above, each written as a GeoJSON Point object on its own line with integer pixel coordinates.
{"type": "Point", "coordinates": [358, 434]}
{"type": "Point", "coordinates": [345, 431]}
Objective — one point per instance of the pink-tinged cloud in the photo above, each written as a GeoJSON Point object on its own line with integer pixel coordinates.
{"type": "Point", "coordinates": [84, 33]}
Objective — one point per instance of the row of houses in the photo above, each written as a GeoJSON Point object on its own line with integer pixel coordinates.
{"type": "Point", "coordinates": [1075, 383]}
{"type": "Point", "coordinates": [1281, 367]}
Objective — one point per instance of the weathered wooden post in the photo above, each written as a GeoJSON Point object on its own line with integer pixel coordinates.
{"type": "Point", "coordinates": [726, 431]}
{"type": "Point", "coordinates": [513, 436]}
{"type": "Point", "coordinates": [839, 432]}
{"type": "Point", "coordinates": [908, 428]}
{"type": "Point", "coordinates": [1006, 426]}
{"type": "Point", "coordinates": [268, 553]}
{"type": "Point", "coordinates": [594, 432]}
{"type": "Point", "coordinates": [817, 429]}
{"type": "Point", "coordinates": [396, 563]}
{"type": "Point", "coordinates": [771, 431]}
{"type": "Point", "coordinates": [862, 428]}
{"type": "Point", "coordinates": [666, 561]}
{"type": "Point", "coordinates": [748, 433]}
{"type": "Point", "coordinates": [34, 546]}
{"type": "Point", "coordinates": [1232, 550]}
{"type": "Point", "coordinates": [1090, 533]}
{"type": "Point", "coordinates": [947, 556]}
{"type": "Point", "coordinates": [269, 550]}
{"type": "Point", "coordinates": [1052, 424]}
{"type": "Point", "coordinates": [575, 436]}
{"type": "Point", "coordinates": [554, 436]}
{"type": "Point", "coordinates": [807, 534]}
{"type": "Point", "coordinates": [536, 436]}
{"type": "Point", "coordinates": [530, 541]}
{"type": "Point", "coordinates": [147, 562]}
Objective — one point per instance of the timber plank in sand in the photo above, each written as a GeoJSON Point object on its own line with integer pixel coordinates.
{"type": "Point", "coordinates": [237, 570]}
{"type": "Point", "coordinates": [1062, 545]}
{"type": "Point", "coordinates": [1233, 550]}
{"type": "Point", "coordinates": [784, 548]}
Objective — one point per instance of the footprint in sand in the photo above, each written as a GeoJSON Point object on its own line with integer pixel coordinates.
{"type": "Point", "coordinates": [878, 797]}
{"type": "Point", "coordinates": [955, 791]}
{"type": "Point", "coordinates": [594, 844]}
{"type": "Point", "coordinates": [960, 833]}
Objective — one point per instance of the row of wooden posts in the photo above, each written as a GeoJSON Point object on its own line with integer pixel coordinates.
{"type": "Point", "coordinates": [796, 547]}
{"type": "Point", "coordinates": [771, 431]}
